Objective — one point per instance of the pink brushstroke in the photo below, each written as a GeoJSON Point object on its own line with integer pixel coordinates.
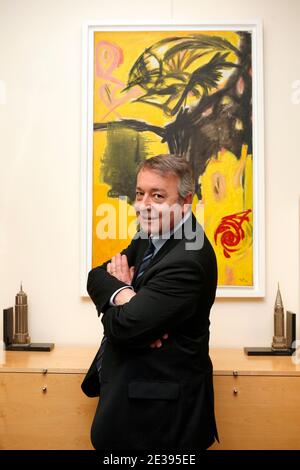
{"type": "Point", "coordinates": [109, 57]}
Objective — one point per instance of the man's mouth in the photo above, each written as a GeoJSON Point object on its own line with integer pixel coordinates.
{"type": "Point", "coordinates": [146, 218]}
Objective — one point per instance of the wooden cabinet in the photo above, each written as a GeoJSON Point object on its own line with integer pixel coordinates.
{"type": "Point", "coordinates": [42, 405]}
{"type": "Point", "coordinates": [257, 401]}
{"type": "Point", "coordinates": [41, 402]}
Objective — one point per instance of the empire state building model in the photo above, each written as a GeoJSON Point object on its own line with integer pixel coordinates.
{"type": "Point", "coordinates": [21, 335]}
{"type": "Point", "coordinates": [279, 340]}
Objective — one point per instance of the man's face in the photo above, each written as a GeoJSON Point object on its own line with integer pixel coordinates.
{"type": "Point", "coordinates": [157, 203]}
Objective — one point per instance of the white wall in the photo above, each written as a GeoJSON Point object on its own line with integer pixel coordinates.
{"type": "Point", "coordinates": [40, 119]}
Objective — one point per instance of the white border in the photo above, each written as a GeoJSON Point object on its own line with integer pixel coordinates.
{"type": "Point", "coordinates": [258, 289]}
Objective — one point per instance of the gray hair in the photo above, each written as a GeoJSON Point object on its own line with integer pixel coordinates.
{"type": "Point", "coordinates": [174, 164]}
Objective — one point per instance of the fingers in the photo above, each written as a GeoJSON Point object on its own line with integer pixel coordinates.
{"type": "Point", "coordinates": [158, 343]}
{"type": "Point", "coordinates": [118, 267]}
{"type": "Point", "coordinates": [111, 267]}
{"type": "Point", "coordinates": [114, 266]}
{"type": "Point", "coordinates": [124, 263]}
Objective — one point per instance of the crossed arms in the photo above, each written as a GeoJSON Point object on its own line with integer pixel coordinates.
{"type": "Point", "coordinates": [138, 319]}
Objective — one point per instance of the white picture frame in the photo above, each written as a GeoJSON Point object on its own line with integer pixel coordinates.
{"type": "Point", "coordinates": [257, 289]}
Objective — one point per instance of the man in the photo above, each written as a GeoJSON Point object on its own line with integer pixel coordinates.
{"type": "Point", "coordinates": [156, 374]}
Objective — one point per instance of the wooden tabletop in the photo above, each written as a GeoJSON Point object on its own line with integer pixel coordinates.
{"type": "Point", "coordinates": [72, 359]}
{"type": "Point", "coordinates": [229, 361]}
{"type": "Point", "coordinates": [62, 359]}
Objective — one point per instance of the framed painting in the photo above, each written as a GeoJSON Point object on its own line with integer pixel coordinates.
{"type": "Point", "coordinates": [191, 90]}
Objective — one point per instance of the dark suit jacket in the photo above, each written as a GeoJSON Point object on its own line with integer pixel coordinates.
{"type": "Point", "coordinates": [156, 398]}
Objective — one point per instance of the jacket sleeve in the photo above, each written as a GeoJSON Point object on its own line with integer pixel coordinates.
{"type": "Point", "coordinates": [101, 285]}
{"type": "Point", "coordinates": [164, 303]}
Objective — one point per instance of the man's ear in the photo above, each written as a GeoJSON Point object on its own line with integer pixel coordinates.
{"type": "Point", "coordinates": [187, 201]}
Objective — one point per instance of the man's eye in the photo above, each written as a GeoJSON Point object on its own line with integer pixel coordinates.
{"type": "Point", "coordinates": [158, 196]}
{"type": "Point", "coordinates": [138, 194]}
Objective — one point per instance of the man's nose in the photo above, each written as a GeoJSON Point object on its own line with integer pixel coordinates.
{"type": "Point", "coordinates": [146, 201]}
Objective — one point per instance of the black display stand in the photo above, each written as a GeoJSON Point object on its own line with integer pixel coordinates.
{"type": "Point", "coordinates": [30, 347]}
{"type": "Point", "coordinates": [268, 352]}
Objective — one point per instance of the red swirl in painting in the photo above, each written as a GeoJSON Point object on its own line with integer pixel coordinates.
{"type": "Point", "coordinates": [231, 232]}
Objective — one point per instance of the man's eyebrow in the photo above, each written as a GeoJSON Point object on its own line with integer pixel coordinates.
{"type": "Point", "coordinates": [161, 190]}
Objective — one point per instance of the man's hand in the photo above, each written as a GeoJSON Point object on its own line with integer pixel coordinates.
{"type": "Point", "coordinates": [158, 342]}
{"type": "Point", "coordinates": [118, 267]}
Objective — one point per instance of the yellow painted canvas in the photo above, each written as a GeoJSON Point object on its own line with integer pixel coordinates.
{"type": "Point", "coordinates": [180, 92]}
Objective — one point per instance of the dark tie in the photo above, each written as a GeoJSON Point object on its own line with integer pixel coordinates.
{"type": "Point", "coordinates": [148, 255]}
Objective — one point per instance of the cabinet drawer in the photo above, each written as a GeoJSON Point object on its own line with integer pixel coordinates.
{"type": "Point", "coordinates": [44, 411]}
{"type": "Point", "coordinates": [258, 412]}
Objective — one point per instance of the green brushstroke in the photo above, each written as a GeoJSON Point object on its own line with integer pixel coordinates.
{"type": "Point", "coordinates": [125, 149]}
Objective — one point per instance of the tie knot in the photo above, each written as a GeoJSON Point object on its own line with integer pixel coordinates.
{"type": "Point", "coordinates": [151, 247]}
